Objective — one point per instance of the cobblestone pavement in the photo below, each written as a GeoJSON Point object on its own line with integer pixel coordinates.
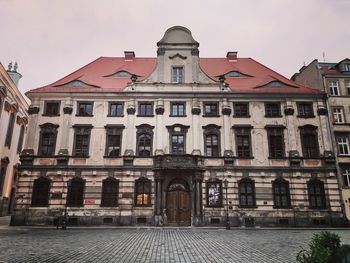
{"type": "Point", "coordinates": [18, 244]}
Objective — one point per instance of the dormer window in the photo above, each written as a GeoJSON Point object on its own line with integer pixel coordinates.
{"type": "Point", "coordinates": [275, 84]}
{"type": "Point", "coordinates": [347, 67]}
{"type": "Point", "coordinates": [177, 75]}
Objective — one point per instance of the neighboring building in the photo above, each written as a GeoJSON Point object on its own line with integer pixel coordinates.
{"type": "Point", "coordinates": [13, 125]}
{"type": "Point", "coordinates": [126, 140]}
{"type": "Point", "coordinates": [334, 78]}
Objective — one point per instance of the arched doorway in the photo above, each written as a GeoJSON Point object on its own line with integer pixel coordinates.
{"type": "Point", "coordinates": [178, 203]}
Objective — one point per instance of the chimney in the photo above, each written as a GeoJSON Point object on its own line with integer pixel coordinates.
{"type": "Point", "coordinates": [232, 56]}
{"type": "Point", "coordinates": [14, 75]}
{"type": "Point", "coordinates": [129, 55]}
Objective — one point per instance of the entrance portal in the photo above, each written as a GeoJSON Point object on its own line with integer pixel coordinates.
{"type": "Point", "coordinates": [178, 203]}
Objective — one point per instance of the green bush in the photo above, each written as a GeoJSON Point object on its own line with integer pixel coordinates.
{"type": "Point", "coordinates": [324, 248]}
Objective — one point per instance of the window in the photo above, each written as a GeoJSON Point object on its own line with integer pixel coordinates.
{"type": "Point", "coordinates": [214, 193]}
{"type": "Point", "coordinates": [177, 75]}
{"type": "Point", "coordinates": [116, 109]}
{"type": "Point", "coordinates": [82, 140]}
{"type": "Point", "coordinates": [177, 134]}
{"type": "Point", "coordinates": [145, 109]}
{"type": "Point", "coordinates": [281, 195]}
{"type": "Point", "coordinates": [3, 168]}
{"type": "Point", "coordinates": [333, 88]}
{"type": "Point", "coordinates": [346, 176]}
{"type": "Point", "coordinates": [10, 130]}
{"type": "Point", "coordinates": [144, 140]}
{"type": "Point", "coordinates": [243, 143]}
{"type": "Point", "coordinates": [346, 67]}
{"type": "Point", "coordinates": [309, 141]}
{"type": "Point", "coordinates": [52, 108]}
{"type": "Point", "coordinates": [20, 139]}
{"type": "Point", "coordinates": [211, 109]}
{"type": "Point", "coordinates": [113, 140]}
{"type": "Point", "coordinates": [85, 108]}
{"type": "Point", "coordinates": [246, 188]}
{"type": "Point", "coordinates": [212, 140]}
{"type": "Point", "coordinates": [305, 110]}
{"type": "Point", "coordinates": [316, 194]}
{"type": "Point", "coordinates": [338, 115]}
{"type": "Point", "coordinates": [75, 194]}
{"type": "Point", "coordinates": [41, 191]}
{"type": "Point", "coordinates": [109, 192]}
{"type": "Point", "coordinates": [142, 192]}
{"type": "Point", "coordinates": [347, 84]}
{"type": "Point", "coordinates": [48, 135]}
{"type": "Point", "coordinates": [272, 110]}
{"type": "Point", "coordinates": [276, 142]}
{"type": "Point", "coordinates": [241, 109]}
{"type": "Point", "coordinates": [343, 145]}
{"type": "Point", "coordinates": [178, 109]}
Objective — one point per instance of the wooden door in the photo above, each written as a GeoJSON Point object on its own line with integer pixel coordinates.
{"type": "Point", "coordinates": [179, 207]}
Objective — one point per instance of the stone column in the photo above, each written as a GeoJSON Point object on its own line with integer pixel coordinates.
{"type": "Point", "coordinates": [159, 127]}
{"type": "Point", "coordinates": [159, 190]}
{"type": "Point", "coordinates": [289, 112]}
{"type": "Point", "coordinates": [198, 209]}
{"type": "Point", "coordinates": [130, 134]}
{"type": "Point", "coordinates": [196, 111]}
{"type": "Point", "coordinates": [64, 129]}
{"type": "Point", "coordinates": [226, 112]}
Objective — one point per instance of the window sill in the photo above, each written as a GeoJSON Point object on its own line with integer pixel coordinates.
{"type": "Point", "coordinates": [142, 206]}
{"type": "Point", "coordinates": [343, 155]}
{"type": "Point", "coordinates": [210, 116]}
{"type": "Point", "coordinates": [111, 207]}
{"type": "Point", "coordinates": [49, 115]}
{"type": "Point", "coordinates": [278, 158]}
{"type": "Point", "coordinates": [138, 115]}
{"type": "Point", "coordinates": [116, 116]}
{"type": "Point", "coordinates": [277, 116]}
{"type": "Point", "coordinates": [318, 208]}
{"type": "Point", "coordinates": [179, 116]}
{"type": "Point", "coordinates": [340, 123]}
{"type": "Point", "coordinates": [285, 208]}
{"type": "Point", "coordinates": [249, 158]}
{"type": "Point", "coordinates": [214, 206]}
{"type": "Point", "coordinates": [253, 206]}
{"type": "Point", "coordinates": [306, 117]}
{"type": "Point", "coordinates": [81, 156]}
{"type": "Point", "coordinates": [112, 157]}
{"type": "Point", "coordinates": [78, 115]}
{"type": "Point", "coordinates": [247, 116]}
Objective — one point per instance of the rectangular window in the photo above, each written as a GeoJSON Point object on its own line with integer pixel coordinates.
{"type": "Point", "coordinates": [338, 115]}
{"type": "Point", "coordinates": [85, 108]}
{"type": "Point", "coordinates": [214, 194]}
{"type": "Point", "coordinates": [177, 75]}
{"type": "Point", "coordinates": [343, 145]}
{"type": "Point", "coordinates": [113, 141]}
{"type": "Point", "coordinates": [305, 110]}
{"type": "Point", "coordinates": [243, 143]}
{"type": "Point", "coordinates": [346, 176]}
{"type": "Point", "coordinates": [145, 109]}
{"type": "Point", "coordinates": [82, 141]}
{"type": "Point", "coordinates": [211, 109]}
{"type": "Point", "coordinates": [246, 193]}
{"type": "Point", "coordinates": [272, 110]}
{"type": "Point", "coordinates": [178, 109]}
{"type": "Point", "coordinates": [177, 144]}
{"type": "Point", "coordinates": [52, 108]}
{"type": "Point", "coordinates": [142, 192]}
{"type": "Point", "coordinates": [241, 109]}
{"type": "Point", "coordinates": [333, 88]}
{"type": "Point", "coordinates": [276, 142]}
{"type": "Point", "coordinates": [347, 84]}
{"type": "Point", "coordinates": [116, 109]}
{"type": "Point", "coordinates": [309, 142]}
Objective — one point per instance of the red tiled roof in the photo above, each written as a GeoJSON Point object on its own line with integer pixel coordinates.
{"type": "Point", "coordinates": [96, 76]}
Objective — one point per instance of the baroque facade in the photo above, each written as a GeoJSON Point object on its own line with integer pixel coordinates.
{"type": "Point", "coordinates": [198, 141]}
{"type": "Point", "coordinates": [334, 79]}
{"type": "Point", "coordinates": [13, 125]}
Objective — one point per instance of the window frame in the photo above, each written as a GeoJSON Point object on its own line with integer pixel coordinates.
{"type": "Point", "coordinates": [177, 130]}
{"type": "Point", "coordinates": [177, 103]}
{"type": "Point", "coordinates": [335, 115]}
{"type": "Point", "coordinates": [279, 182]}
{"type": "Point", "coordinates": [21, 139]}
{"type": "Point", "coordinates": [313, 183]}
{"type": "Point", "coordinates": [117, 103]}
{"type": "Point", "coordinates": [246, 181]}
{"type": "Point", "coordinates": [211, 114]}
{"type": "Point", "coordinates": [110, 199]}
{"type": "Point", "coordinates": [269, 113]}
{"type": "Point", "coordinates": [146, 114]}
{"type": "Point", "coordinates": [275, 132]}
{"type": "Point", "coordinates": [48, 129]}
{"type": "Point", "coordinates": [309, 130]}
{"type": "Point", "coordinates": [114, 130]}
{"type": "Point", "coordinates": [332, 88]}
{"type": "Point", "coordinates": [212, 130]}
{"type": "Point", "coordinates": [240, 115]}
{"type": "Point", "coordinates": [305, 113]}
{"type": "Point", "coordinates": [10, 128]}
{"type": "Point", "coordinates": [345, 170]}
{"type": "Point", "coordinates": [55, 113]}
{"type": "Point", "coordinates": [243, 131]}
{"type": "Point", "coordinates": [343, 147]}
{"type": "Point", "coordinates": [144, 129]}
{"type": "Point", "coordinates": [347, 86]}
{"type": "Point", "coordinates": [80, 114]}
{"type": "Point", "coordinates": [176, 75]}
{"type": "Point", "coordinates": [38, 199]}
{"type": "Point", "coordinates": [82, 130]}
{"type": "Point", "coordinates": [214, 182]}
{"type": "Point", "coordinates": [78, 199]}
{"type": "Point", "coordinates": [142, 181]}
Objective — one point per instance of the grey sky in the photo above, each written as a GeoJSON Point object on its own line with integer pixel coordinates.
{"type": "Point", "coordinates": [50, 39]}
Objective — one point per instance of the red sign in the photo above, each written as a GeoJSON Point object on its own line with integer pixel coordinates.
{"type": "Point", "coordinates": [89, 202]}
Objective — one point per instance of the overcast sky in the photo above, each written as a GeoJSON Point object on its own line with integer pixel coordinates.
{"type": "Point", "coordinates": [50, 39]}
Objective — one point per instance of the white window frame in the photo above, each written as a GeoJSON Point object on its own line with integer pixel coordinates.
{"type": "Point", "coordinates": [338, 115]}
{"type": "Point", "coordinates": [343, 145]}
{"type": "Point", "coordinates": [346, 67]}
{"type": "Point", "coordinates": [346, 173]}
{"type": "Point", "coordinates": [333, 88]}
{"type": "Point", "coordinates": [347, 84]}
{"type": "Point", "coordinates": [175, 76]}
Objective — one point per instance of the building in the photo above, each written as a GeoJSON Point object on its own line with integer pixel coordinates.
{"type": "Point", "coordinates": [334, 79]}
{"type": "Point", "coordinates": [128, 140]}
{"type": "Point", "coordinates": [13, 125]}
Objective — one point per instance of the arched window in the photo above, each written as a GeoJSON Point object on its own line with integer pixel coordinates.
{"type": "Point", "coordinates": [48, 135]}
{"type": "Point", "coordinates": [144, 140]}
{"type": "Point", "coordinates": [246, 188]}
{"type": "Point", "coordinates": [41, 192]}
{"type": "Point", "coordinates": [214, 193]}
{"type": "Point", "coordinates": [75, 194]}
{"type": "Point", "coordinates": [316, 192]}
{"type": "Point", "coordinates": [281, 195]}
{"type": "Point", "coordinates": [10, 130]}
{"type": "Point", "coordinates": [109, 192]}
{"type": "Point", "coordinates": [142, 192]}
